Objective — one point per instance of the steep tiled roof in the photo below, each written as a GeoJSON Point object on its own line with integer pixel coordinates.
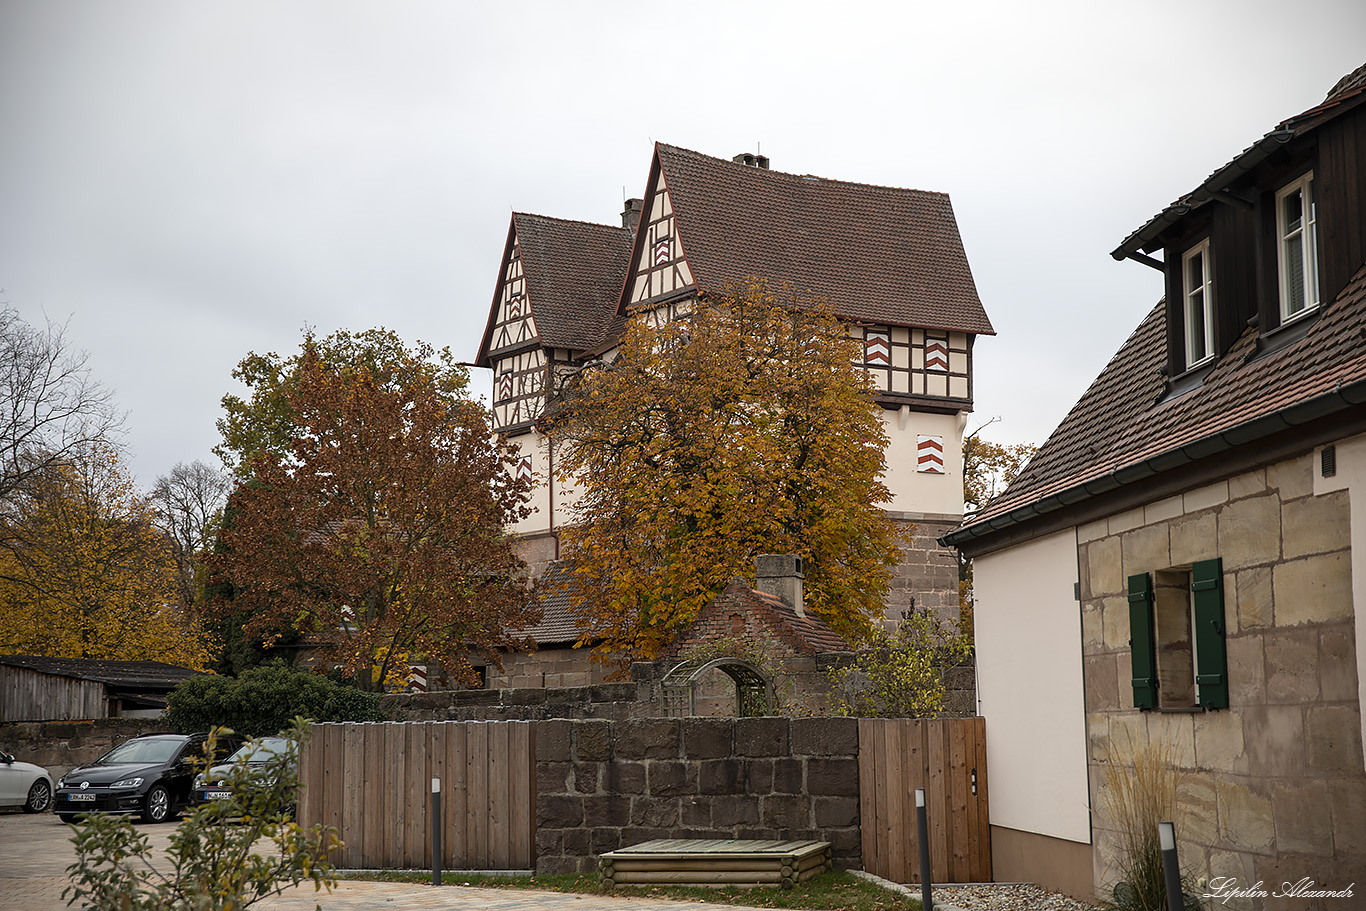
{"type": "Point", "coordinates": [557, 625]}
{"type": "Point", "coordinates": [1118, 432]}
{"type": "Point", "coordinates": [574, 272]}
{"type": "Point", "coordinates": [121, 674]}
{"type": "Point", "coordinates": [878, 254]}
{"type": "Point", "coordinates": [805, 634]}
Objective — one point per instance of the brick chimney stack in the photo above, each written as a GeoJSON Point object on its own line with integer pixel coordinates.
{"type": "Point", "coordinates": [751, 159]}
{"type": "Point", "coordinates": [630, 215]}
{"type": "Point", "coordinates": [780, 575]}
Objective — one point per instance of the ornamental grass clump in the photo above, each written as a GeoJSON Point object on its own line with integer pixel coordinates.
{"type": "Point", "coordinates": [1140, 792]}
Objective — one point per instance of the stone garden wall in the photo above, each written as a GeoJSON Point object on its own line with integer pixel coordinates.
{"type": "Point", "coordinates": [60, 746]}
{"type": "Point", "coordinates": [603, 785]}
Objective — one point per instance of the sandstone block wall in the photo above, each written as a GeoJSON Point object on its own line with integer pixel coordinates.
{"type": "Point", "coordinates": [1276, 790]}
{"type": "Point", "coordinates": [60, 746]}
{"type": "Point", "coordinates": [927, 573]}
{"type": "Point", "coordinates": [602, 785]}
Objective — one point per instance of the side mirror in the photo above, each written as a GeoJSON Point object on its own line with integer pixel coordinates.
{"type": "Point", "coordinates": [6, 758]}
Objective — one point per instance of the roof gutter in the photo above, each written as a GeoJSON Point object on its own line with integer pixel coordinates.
{"type": "Point", "coordinates": [1215, 187]}
{"type": "Point", "coordinates": [1339, 399]}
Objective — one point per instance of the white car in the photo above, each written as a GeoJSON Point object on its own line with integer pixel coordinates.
{"type": "Point", "coordinates": [23, 784]}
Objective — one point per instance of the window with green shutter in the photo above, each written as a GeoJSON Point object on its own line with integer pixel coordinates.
{"type": "Point", "coordinates": [1142, 642]}
{"type": "Point", "coordinates": [1177, 637]}
{"type": "Point", "coordinates": [1207, 631]}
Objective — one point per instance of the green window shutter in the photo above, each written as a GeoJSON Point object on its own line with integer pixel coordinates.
{"type": "Point", "coordinates": [1141, 641]}
{"type": "Point", "coordinates": [1211, 655]}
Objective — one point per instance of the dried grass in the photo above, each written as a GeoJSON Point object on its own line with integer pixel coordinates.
{"type": "Point", "coordinates": [1140, 792]}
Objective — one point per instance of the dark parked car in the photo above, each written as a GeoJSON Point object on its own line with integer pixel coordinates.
{"type": "Point", "coordinates": [242, 768]}
{"type": "Point", "coordinates": [151, 775]}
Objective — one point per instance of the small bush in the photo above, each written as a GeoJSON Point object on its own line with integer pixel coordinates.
{"type": "Point", "coordinates": [263, 701]}
{"type": "Point", "coordinates": [901, 675]}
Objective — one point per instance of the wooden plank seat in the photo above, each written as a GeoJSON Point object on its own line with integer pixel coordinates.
{"type": "Point", "coordinates": [715, 862]}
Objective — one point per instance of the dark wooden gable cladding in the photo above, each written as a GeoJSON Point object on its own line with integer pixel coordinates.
{"type": "Point", "coordinates": [1243, 235]}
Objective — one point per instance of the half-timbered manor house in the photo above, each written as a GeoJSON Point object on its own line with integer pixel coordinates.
{"type": "Point", "coordinates": [890, 261]}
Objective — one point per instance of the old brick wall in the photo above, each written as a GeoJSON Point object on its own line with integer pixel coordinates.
{"type": "Point", "coordinates": [60, 746]}
{"type": "Point", "coordinates": [1275, 789]}
{"type": "Point", "coordinates": [603, 785]}
{"type": "Point", "coordinates": [615, 701]}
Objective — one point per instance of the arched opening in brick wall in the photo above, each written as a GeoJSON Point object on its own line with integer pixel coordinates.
{"type": "Point", "coordinates": [688, 689]}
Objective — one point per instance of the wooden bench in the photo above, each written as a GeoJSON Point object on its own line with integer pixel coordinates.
{"type": "Point", "coordinates": [715, 862]}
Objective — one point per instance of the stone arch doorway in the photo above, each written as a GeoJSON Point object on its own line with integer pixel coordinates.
{"type": "Point", "coordinates": [753, 686]}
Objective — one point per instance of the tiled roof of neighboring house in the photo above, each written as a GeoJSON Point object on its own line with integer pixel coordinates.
{"type": "Point", "coordinates": [133, 675]}
{"type": "Point", "coordinates": [1119, 430]}
{"type": "Point", "coordinates": [574, 272]}
{"type": "Point", "coordinates": [805, 633]}
{"type": "Point", "coordinates": [877, 254]}
{"type": "Point", "coordinates": [557, 625]}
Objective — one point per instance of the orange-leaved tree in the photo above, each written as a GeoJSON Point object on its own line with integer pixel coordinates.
{"type": "Point", "coordinates": [379, 535]}
{"type": "Point", "coordinates": [744, 428]}
{"type": "Point", "coordinates": [85, 573]}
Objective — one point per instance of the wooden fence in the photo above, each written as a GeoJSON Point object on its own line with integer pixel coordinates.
{"type": "Point", "coordinates": [373, 783]}
{"type": "Point", "coordinates": [945, 756]}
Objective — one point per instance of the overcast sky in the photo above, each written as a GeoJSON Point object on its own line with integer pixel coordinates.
{"type": "Point", "coordinates": [187, 182]}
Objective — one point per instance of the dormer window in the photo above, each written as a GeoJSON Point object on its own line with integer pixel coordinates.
{"type": "Point", "coordinates": [1198, 304]}
{"type": "Point", "coordinates": [1296, 229]}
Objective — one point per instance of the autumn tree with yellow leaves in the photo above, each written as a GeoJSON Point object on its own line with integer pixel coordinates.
{"type": "Point", "coordinates": [373, 518]}
{"type": "Point", "coordinates": [84, 572]}
{"type": "Point", "coordinates": [744, 428]}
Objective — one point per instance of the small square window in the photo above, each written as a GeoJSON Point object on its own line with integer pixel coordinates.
{"type": "Point", "coordinates": [1297, 248]}
{"type": "Point", "coordinates": [1177, 637]}
{"type": "Point", "coordinates": [1198, 305]}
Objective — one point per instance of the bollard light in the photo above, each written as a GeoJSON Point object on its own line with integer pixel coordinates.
{"type": "Point", "coordinates": [436, 831]}
{"type": "Point", "coordinates": [922, 825]}
{"type": "Point", "coordinates": [1171, 870]}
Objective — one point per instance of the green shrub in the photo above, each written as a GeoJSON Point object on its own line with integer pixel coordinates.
{"type": "Point", "coordinates": [900, 675]}
{"type": "Point", "coordinates": [263, 701]}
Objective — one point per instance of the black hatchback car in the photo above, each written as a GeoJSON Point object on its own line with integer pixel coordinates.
{"type": "Point", "coordinates": [151, 775]}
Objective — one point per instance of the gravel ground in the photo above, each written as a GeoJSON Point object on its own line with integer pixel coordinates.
{"type": "Point", "coordinates": [1007, 897]}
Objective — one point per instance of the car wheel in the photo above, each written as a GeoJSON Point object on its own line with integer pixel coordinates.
{"type": "Point", "coordinates": [39, 797]}
{"type": "Point", "coordinates": [157, 806]}
{"type": "Point", "coordinates": [67, 818]}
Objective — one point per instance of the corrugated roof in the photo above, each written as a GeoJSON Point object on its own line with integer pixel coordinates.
{"type": "Point", "coordinates": [574, 271]}
{"type": "Point", "coordinates": [877, 254]}
{"type": "Point", "coordinates": [122, 674]}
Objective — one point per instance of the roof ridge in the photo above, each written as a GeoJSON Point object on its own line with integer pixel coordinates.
{"type": "Point", "coordinates": [803, 177]}
{"type": "Point", "coordinates": [569, 221]}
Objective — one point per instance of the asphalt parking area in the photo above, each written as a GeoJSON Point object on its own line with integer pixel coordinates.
{"type": "Point", "coordinates": [35, 851]}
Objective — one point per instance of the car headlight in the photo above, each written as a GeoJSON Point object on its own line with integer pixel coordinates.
{"type": "Point", "coordinates": [127, 783]}
{"type": "Point", "coordinates": [199, 781]}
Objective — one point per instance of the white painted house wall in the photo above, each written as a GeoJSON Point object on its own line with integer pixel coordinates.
{"type": "Point", "coordinates": [1029, 687]}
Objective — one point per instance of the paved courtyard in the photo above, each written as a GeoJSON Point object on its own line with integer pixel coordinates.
{"type": "Point", "coordinates": [36, 850]}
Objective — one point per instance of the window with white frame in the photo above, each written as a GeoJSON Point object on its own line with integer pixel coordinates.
{"type": "Point", "coordinates": [1198, 309]}
{"type": "Point", "coordinates": [1296, 231]}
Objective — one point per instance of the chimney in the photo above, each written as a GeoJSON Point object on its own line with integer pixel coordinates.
{"type": "Point", "coordinates": [752, 160]}
{"type": "Point", "coordinates": [780, 575]}
{"type": "Point", "coordinates": [630, 215]}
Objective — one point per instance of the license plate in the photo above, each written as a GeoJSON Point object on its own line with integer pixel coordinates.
{"type": "Point", "coordinates": [217, 795]}
{"type": "Point", "coordinates": [80, 797]}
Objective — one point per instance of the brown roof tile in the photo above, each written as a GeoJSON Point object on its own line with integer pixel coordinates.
{"type": "Point", "coordinates": [877, 254]}
{"type": "Point", "coordinates": [574, 272]}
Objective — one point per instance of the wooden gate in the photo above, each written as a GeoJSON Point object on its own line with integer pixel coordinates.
{"type": "Point", "coordinates": [373, 783]}
{"type": "Point", "coordinates": [948, 758]}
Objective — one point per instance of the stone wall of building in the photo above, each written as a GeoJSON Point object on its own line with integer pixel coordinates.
{"type": "Point", "coordinates": [60, 746]}
{"type": "Point", "coordinates": [548, 666]}
{"type": "Point", "coordinates": [602, 785]}
{"type": "Point", "coordinates": [926, 578]}
{"type": "Point", "coordinates": [1274, 789]}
